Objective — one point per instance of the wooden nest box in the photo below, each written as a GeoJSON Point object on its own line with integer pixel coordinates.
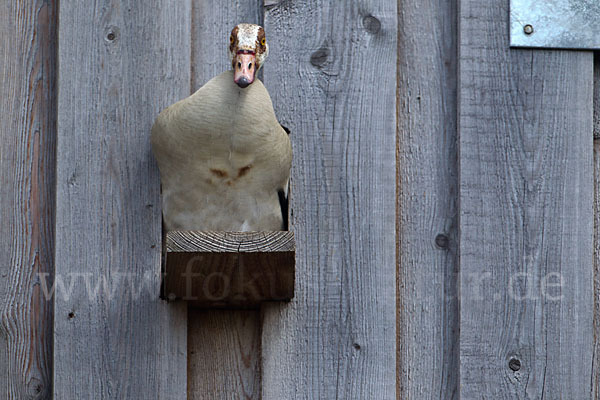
{"type": "Point", "coordinates": [229, 269]}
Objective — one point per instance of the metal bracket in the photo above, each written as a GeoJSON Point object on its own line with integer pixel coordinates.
{"type": "Point", "coordinates": [557, 24]}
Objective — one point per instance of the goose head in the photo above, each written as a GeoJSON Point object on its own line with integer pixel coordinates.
{"type": "Point", "coordinates": [248, 50]}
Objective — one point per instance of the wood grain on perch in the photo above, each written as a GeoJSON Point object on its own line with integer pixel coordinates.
{"type": "Point", "coordinates": [229, 269]}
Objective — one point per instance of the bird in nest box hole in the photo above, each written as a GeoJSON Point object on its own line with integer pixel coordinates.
{"type": "Point", "coordinates": [224, 159]}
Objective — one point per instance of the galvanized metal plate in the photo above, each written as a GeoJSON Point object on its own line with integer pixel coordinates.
{"type": "Point", "coordinates": [558, 24]}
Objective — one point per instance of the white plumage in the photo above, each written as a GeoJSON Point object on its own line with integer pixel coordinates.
{"type": "Point", "coordinates": [222, 155]}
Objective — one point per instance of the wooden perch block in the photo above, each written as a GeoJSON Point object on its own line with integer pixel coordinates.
{"type": "Point", "coordinates": [229, 269]}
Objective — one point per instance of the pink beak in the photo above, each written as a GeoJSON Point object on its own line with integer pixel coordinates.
{"type": "Point", "coordinates": [244, 68]}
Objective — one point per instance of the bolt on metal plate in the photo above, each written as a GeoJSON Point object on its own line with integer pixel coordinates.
{"type": "Point", "coordinates": [556, 24]}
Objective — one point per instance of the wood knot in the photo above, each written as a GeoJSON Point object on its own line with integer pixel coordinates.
{"type": "Point", "coordinates": [442, 241]}
{"type": "Point", "coordinates": [371, 24]}
{"type": "Point", "coordinates": [36, 389]}
{"type": "Point", "coordinates": [319, 57]}
{"type": "Point", "coordinates": [514, 364]}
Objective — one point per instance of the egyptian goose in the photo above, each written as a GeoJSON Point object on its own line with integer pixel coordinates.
{"type": "Point", "coordinates": [224, 160]}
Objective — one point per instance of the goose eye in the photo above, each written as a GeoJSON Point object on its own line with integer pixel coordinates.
{"type": "Point", "coordinates": [263, 41]}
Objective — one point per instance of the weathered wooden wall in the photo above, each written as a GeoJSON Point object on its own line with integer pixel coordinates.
{"type": "Point", "coordinates": [332, 78]}
{"type": "Point", "coordinates": [27, 159]}
{"type": "Point", "coordinates": [427, 200]}
{"type": "Point", "coordinates": [526, 192]}
{"type": "Point", "coordinates": [518, 122]}
{"type": "Point", "coordinates": [120, 63]}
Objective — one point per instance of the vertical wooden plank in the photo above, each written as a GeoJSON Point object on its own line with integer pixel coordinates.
{"type": "Point", "coordinates": [596, 372]}
{"type": "Point", "coordinates": [223, 362]}
{"type": "Point", "coordinates": [427, 200]}
{"type": "Point", "coordinates": [27, 156]}
{"type": "Point", "coordinates": [597, 95]}
{"type": "Point", "coordinates": [120, 63]}
{"type": "Point", "coordinates": [525, 127]}
{"type": "Point", "coordinates": [224, 352]}
{"type": "Point", "coordinates": [596, 362]}
{"type": "Point", "coordinates": [332, 78]}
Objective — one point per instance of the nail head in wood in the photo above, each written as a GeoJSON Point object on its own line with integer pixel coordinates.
{"type": "Point", "coordinates": [111, 34]}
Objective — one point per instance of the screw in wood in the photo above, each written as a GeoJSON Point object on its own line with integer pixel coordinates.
{"type": "Point", "coordinates": [111, 33]}
{"type": "Point", "coordinates": [528, 29]}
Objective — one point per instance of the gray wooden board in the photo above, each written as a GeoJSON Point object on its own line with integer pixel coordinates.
{"type": "Point", "coordinates": [27, 141]}
{"type": "Point", "coordinates": [596, 371]}
{"type": "Point", "coordinates": [332, 77]}
{"type": "Point", "coordinates": [427, 200]}
{"type": "Point", "coordinates": [212, 22]}
{"type": "Point", "coordinates": [119, 65]}
{"type": "Point", "coordinates": [224, 363]}
{"type": "Point", "coordinates": [597, 95]}
{"type": "Point", "coordinates": [525, 127]}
